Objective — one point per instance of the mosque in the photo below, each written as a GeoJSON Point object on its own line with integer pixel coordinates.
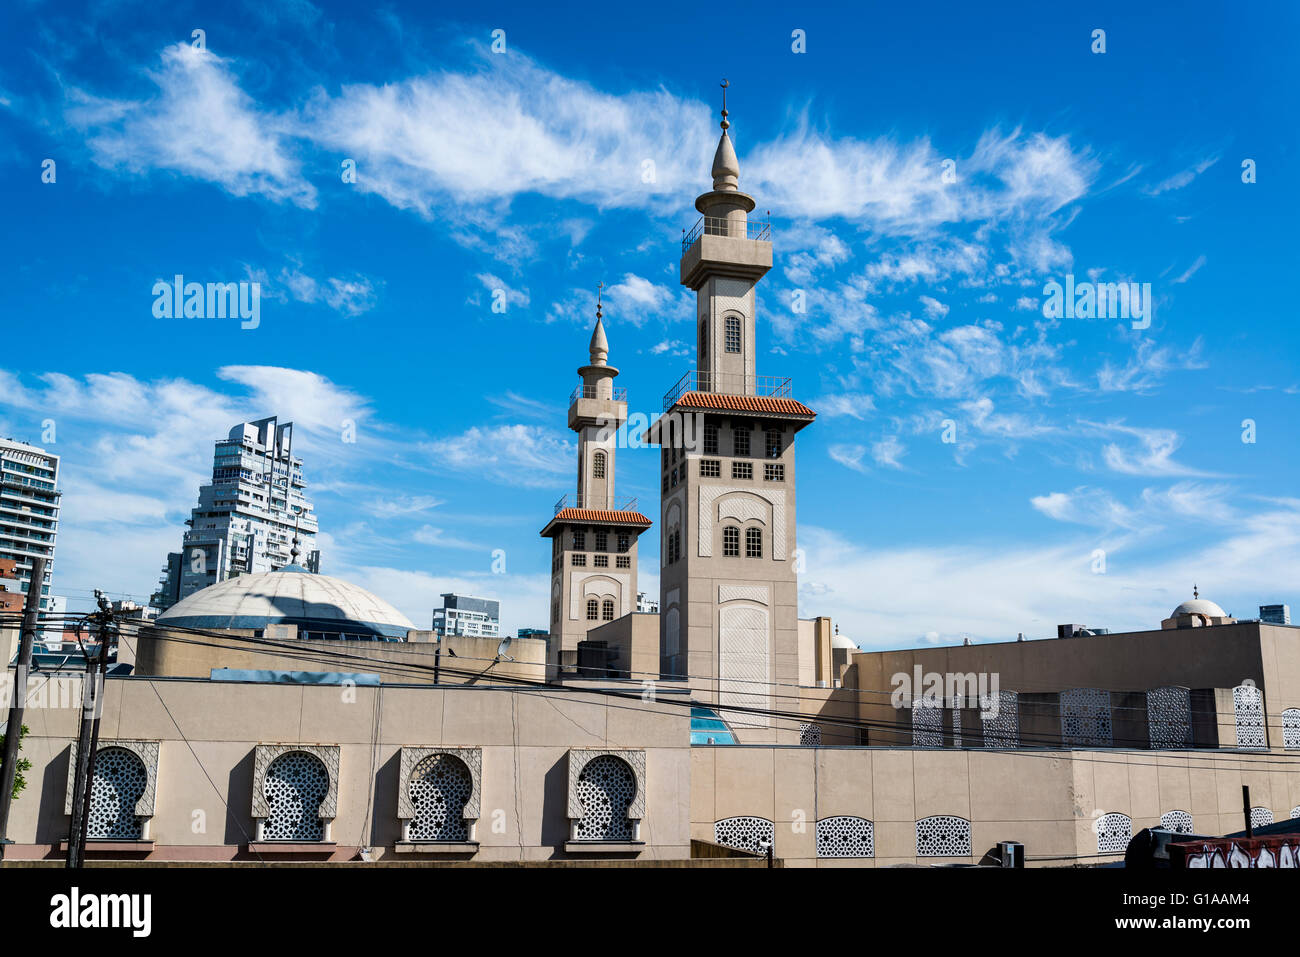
{"type": "Point", "coordinates": [292, 716]}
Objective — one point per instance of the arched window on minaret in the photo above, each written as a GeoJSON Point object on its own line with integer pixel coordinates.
{"type": "Point", "coordinates": [593, 610]}
{"type": "Point", "coordinates": [704, 342]}
{"type": "Point", "coordinates": [734, 335]}
{"type": "Point", "coordinates": [598, 465]}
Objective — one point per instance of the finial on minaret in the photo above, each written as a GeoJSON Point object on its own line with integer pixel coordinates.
{"type": "Point", "coordinates": [726, 168]}
{"type": "Point", "coordinates": [599, 347]}
{"type": "Point", "coordinates": [1195, 593]}
{"type": "Point", "coordinates": [293, 552]}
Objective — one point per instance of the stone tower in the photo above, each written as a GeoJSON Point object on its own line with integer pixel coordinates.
{"type": "Point", "coordinates": [593, 535]}
{"type": "Point", "coordinates": [728, 583]}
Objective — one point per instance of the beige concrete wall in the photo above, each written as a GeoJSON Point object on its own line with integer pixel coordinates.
{"type": "Point", "coordinates": [525, 737]}
{"type": "Point", "coordinates": [1047, 800]}
{"type": "Point", "coordinates": [174, 654]}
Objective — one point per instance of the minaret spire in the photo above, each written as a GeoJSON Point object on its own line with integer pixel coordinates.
{"type": "Point", "coordinates": [599, 347]}
{"type": "Point", "coordinates": [726, 168]}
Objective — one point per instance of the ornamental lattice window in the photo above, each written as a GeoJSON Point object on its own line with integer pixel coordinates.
{"type": "Point", "coordinates": [739, 442]}
{"type": "Point", "coordinates": [295, 786]}
{"type": "Point", "coordinates": [810, 735]}
{"type": "Point", "coordinates": [753, 543]}
{"type": "Point", "coordinates": [593, 609]}
{"type": "Point", "coordinates": [1180, 822]}
{"type": "Point", "coordinates": [1085, 718]}
{"type": "Point", "coordinates": [1259, 816]}
{"type": "Point", "coordinates": [607, 610]}
{"type": "Point", "coordinates": [845, 836]}
{"type": "Point", "coordinates": [742, 470]}
{"type": "Point", "coordinates": [1248, 705]}
{"type": "Point", "coordinates": [606, 788]}
{"type": "Point", "coordinates": [1295, 812]}
{"type": "Point", "coordinates": [730, 541]}
{"type": "Point", "coordinates": [1114, 831]}
{"type": "Point", "coordinates": [710, 438]}
{"type": "Point", "coordinates": [927, 725]}
{"type": "Point", "coordinates": [710, 468]}
{"type": "Point", "coordinates": [1003, 729]}
{"type": "Point", "coordinates": [119, 782]}
{"type": "Point", "coordinates": [1169, 718]}
{"type": "Point", "coordinates": [1291, 729]}
{"type": "Point", "coordinates": [598, 465]}
{"type": "Point", "coordinates": [439, 788]}
{"type": "Point", "coordinates": [753, 834]}
{"type": "Point", "coordinates": [943, 835]}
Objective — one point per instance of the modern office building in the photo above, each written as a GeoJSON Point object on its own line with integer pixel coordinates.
{"type": "Point", "coordinates": [1275, 614]}
{"type": "Point", "coordinates": [467, 615]}
{"type": "Point", "coordinates": [253, 517]}
{"type": "Point", "coordinates": [646, 605]}
{"type": "Point", "coordinates": [29, 511]}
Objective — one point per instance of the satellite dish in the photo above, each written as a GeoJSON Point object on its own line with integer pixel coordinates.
{"type": "Point", "coordinates": [505, 644]}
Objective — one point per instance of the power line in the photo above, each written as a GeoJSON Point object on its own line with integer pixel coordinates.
{"type": "Point", "coordinates": [403, 669]}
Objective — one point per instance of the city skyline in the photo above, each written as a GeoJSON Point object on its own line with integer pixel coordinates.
{"type": "Point", "coordinates": [906, 299]}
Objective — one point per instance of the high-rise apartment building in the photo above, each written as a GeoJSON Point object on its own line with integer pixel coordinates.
{"type": "Point", "coordinates": [29, 511]}
{"type": "Point", "coordinates": [253, 517]}
{"type": "Point", "coordinates": [467, 615]}
{"type": "Point", "coordinates": [1275, 614]}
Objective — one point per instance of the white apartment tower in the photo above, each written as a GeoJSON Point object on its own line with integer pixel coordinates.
{"type": "Point", "coordinates": [29, 511]}
{"type": "Point", "coordinates": [728, 600]}
{"type": "Point", "coordinates": [593, 535]}
{"type": "Point", "coordinates": [253, 517]}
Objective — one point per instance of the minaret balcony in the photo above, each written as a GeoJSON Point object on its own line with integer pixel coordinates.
{"type": "Point", "coordinates": [727, 383]}
{"type": "Point", "coordinates": [587, 406]}
{"type": "Point", "coordinates": [732, 247]}
{"type": "Point", "coordinates": [597, 502]}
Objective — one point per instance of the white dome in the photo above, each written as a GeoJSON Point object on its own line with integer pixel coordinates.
{"type": "Point", "coordinates": [292, 596]}
{"type": "Point", "coordinates": [844, 641]}
{"type": "Point", "coordinates": [1199, 606]}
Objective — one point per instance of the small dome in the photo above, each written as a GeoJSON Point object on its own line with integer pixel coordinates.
{"type": "Point", "coordinates": [1199, 606]}
{"type": "Point", "coordinates": [290, 596]}
{"type": "Point", "coordinates": [844, 641]}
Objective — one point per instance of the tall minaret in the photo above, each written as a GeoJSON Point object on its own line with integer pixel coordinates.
{"type": "Point", "coordinates": [728, 599]}
{"type": "Point", "coordinates": [593, 536]}
{"type": "Point", "coordinates": [722, 259]}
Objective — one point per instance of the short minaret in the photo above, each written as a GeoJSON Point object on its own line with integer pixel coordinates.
{"type": "Point", "coordinates": [728, 600]}
{"type": "Point", "coordinates": [593, 535]}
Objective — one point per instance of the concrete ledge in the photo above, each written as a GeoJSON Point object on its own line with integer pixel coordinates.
{"type": "Point", "coordinates": [604, 847]}
{"type": "Point", "coordinates": [292, 847]}
{"type": "Point", "coordinates": [436, 847]}
{"type": "Point", "coordinates": [113, 847]}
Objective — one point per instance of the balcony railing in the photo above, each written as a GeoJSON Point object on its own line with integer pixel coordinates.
{"type": "Point", "coordinates": [719, 226]}
{"type": "Point", "coordinates": [589, 392]}
{"type": "Point", "coordinates": [727, 383]}
{"type": "Point", "coordinates": [595, 502]}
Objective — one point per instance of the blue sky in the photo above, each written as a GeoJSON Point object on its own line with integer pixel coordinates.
{"type": "Point", "coordinates": [574, 157]}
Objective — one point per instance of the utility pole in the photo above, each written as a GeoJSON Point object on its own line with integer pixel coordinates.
{"type": "Point", "coordinates": [88, 737]}
{"type": "Point", "coordinates": [14, 729]}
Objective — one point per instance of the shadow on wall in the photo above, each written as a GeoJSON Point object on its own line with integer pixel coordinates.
{"type": "Point", "coordinates": [239, 813]}
{"type": "Point", "coordinates": [52, 824]}
{"type": "Point", "coordinates": [555, 807]}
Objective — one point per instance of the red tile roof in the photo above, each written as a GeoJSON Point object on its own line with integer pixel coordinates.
{"type": "Point", "coordinates": [598, 515]}
{"type": "Point", "coordinates": [745, 403]}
